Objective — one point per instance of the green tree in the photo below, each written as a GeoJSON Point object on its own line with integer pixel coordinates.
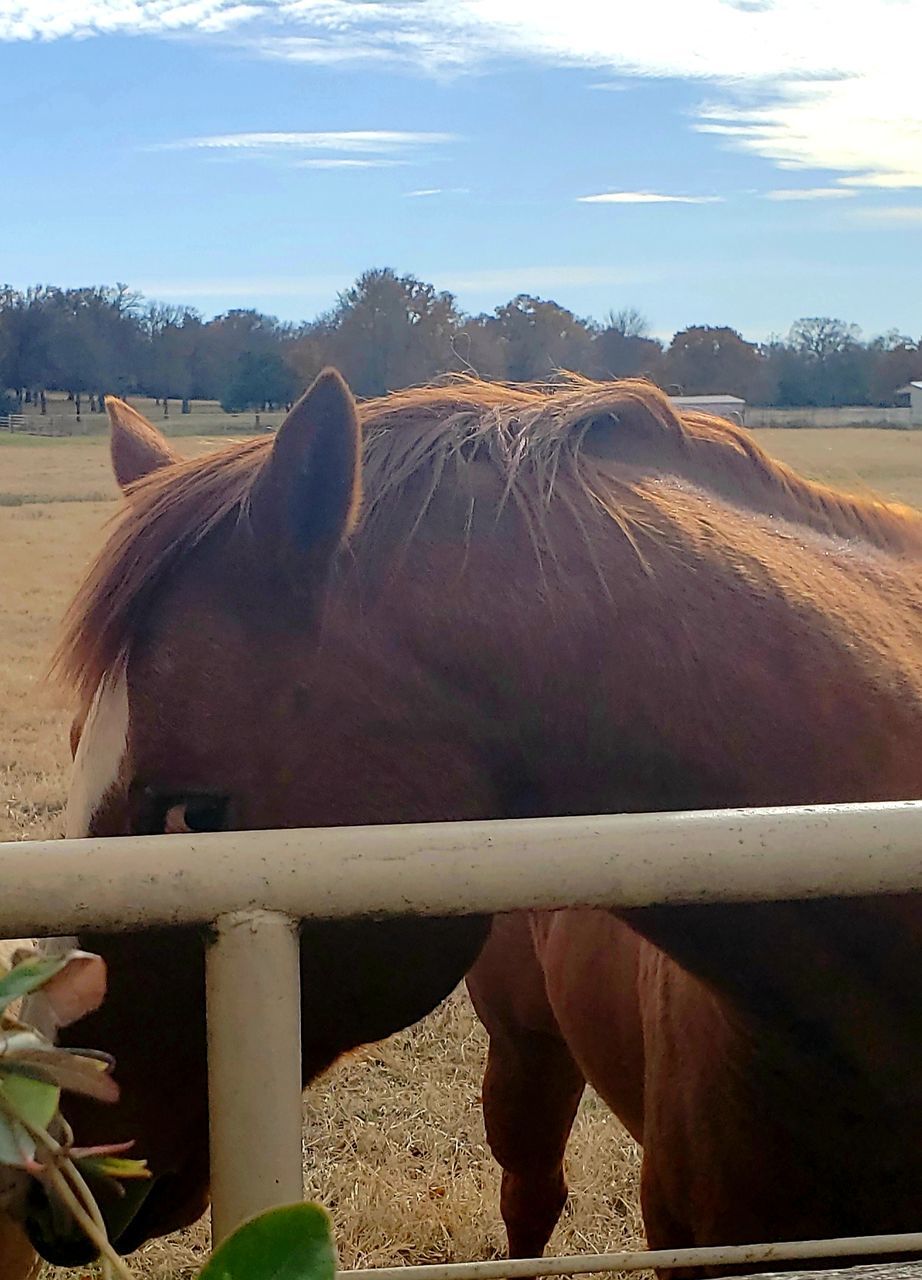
{"type": "Point", "coordinates": [541, 337]}
{"type": "Point", "coordinates": [828, 364]}
{"type": "Point", "coordinates": [391, 331]}
{"type": "Point", "coordinates": [482, 348]}
{"type": "Point", "coordinates": [26, 340]}
{"type": "Point", "coordinates": [894, 360]}
{"type": "Point", "coordinates": [95, 340]}
{"type": "Point", "coordinates": [227, 338]}
{"type": "Point", "coordinates": [310, 348]}
{"type": "Point", "coordinates": [175, 364]}
{"type": "Point", "coordinates": [622, 347]}
{"type": "Point", "coordinates": [259, 381]}
{"type": "Point", "coordinates": [711, 360]}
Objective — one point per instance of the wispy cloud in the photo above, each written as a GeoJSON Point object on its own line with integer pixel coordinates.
{"type": "Point", "coordinates": [865, 128]}
{"type": "Point", "coordinates": [372, 141]}
{"type": "Point", "coordinates": [423, 193]}
{"type": "Point", "coordinates": [645, 197]}
{"type": "Point", "coordinates": [57, 19]}
{"type": "Point", "coordinates": [355, 149]}
{"type": "Point", "coordinates": [806, 85]}
{"type": "Point", "coordinates": [895, 180]}
{"type": "Point", "coordinates": [346, 162]}
{"type": "Point", "coordinates": [809, 193]}
{"type": "Point", "coordinates": [890, 215]}
{"type": "Point", "coordinates": [365, 35]}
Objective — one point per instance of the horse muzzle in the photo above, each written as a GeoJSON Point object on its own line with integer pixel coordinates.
{"type": "Point", "coordinates": [55, 1235]}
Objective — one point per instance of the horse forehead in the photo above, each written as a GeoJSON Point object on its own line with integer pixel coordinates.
{"type": "Point", "coordinates": [100, 752]}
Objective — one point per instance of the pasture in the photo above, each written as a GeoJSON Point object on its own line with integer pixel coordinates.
{"type": "Point", "coordinates": [393, 1138]}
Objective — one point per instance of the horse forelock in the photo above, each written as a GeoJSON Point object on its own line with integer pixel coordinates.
{"type": "Point", "coordinates": [550, 447]}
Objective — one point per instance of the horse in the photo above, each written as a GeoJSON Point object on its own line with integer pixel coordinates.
{"type": "Point", "coordinates": [476, 600]}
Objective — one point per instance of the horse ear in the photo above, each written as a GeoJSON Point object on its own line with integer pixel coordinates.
{"type": "Point", "coordinates": [310, 490]}
{"type": "Point", "coordinates": [137, 447]}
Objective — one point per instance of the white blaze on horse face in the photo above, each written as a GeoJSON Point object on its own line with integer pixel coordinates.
{"type": "Point", "coordinates": [100, 753]}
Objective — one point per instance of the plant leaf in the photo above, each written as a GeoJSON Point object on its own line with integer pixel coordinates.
{"type": "Point", "coordinates": [113, 1167]}
{"type": "Point", "coordinates": [87, 1076]}
{"type": "Point", "coordinates": [293, 1242]}
{"type": "Point", "coordinates": [28, 976]}
{"type": "Point", "coordinates": [34, 1100]}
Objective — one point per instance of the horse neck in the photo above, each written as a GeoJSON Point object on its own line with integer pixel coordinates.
{"type": "Point", "coordinates": [744, 665]}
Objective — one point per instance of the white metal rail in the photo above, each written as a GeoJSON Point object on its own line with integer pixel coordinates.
{"type": "Point", "coordinates": [59, 887]}
{"type": "Point", "coordinates": [254, 887]}
{"type": "Point", "coordinates": [648, 1259]}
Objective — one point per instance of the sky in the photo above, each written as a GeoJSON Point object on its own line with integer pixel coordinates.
{"type": "Point", "coordinates": [741, 162]}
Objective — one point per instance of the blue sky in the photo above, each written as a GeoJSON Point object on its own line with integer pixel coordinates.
{"type": "Point", "coordinates": [740, 162]}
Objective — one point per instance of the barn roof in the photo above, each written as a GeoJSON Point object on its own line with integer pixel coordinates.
{"type": "Point", "coordinates": [910, 386]}
{"type": "Point", "coordinates": [693, 400]}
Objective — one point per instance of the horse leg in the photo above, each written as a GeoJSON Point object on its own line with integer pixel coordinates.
{"type": "Point", "coordinates": [531, 1091]}
{"type": "Point", "coordinates": [531, 1088]}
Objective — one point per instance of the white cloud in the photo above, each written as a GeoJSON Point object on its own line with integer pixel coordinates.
{"type": "Point", "coordinates": [424, 192]}
{"type": "Point", "coordinates": [808, 84]}
{"type": "Point", "coordinates": [894, 180]}
{"type": "Point", "coordinates": [364, 148]}
{"type": "Point", "coordinates": [891, 215]}
{"type": "Point", "coordinates": [866, 126]}
{"type": "Point", "coordinates": [810, 193]}
{"type": "Point", "coordinates": [317, 52]}
{"type": "Point", "coordinates": [363, 141]}
{"type": "Point", "coordinates": [347, 162]}
{"type": "Point", "coordinates": [645, 197]}
{"type": "Point", "coordinates": [54, 19]}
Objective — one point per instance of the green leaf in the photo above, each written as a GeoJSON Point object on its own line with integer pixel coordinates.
{"type": "Point", "coordinates": [66, 1070]}
{"type": "Point", "coordinates": [293, 1242]}
{"type": "Point", "coordinates": [113, 1167]}
{"type": "Point", "coordinates": [34, 1100]}
{"type": "Point", "coordinates": [27, 977]}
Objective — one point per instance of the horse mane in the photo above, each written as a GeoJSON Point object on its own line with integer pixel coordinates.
{"type": "Point", "coordinates": [544, 442]}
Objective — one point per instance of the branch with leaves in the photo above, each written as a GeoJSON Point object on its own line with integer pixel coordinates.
{"type": "Point", "coordinates": [33, 1074]}
{"type": "Point", "coordinates": [293, 1242]}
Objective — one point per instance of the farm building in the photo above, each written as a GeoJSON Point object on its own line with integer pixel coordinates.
{"type": "Point", "coordinates": [731, 407]}
{"type": "Point", "coordinates": [911, 394]}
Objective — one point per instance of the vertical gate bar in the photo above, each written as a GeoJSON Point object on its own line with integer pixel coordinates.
{"type": "Point", "coordinates": [253, 999]}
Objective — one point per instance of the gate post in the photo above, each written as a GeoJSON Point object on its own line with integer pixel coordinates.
{"type": "Point", "coordinates": [253, 1000]}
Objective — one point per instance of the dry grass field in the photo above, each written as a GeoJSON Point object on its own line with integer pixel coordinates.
{"type": "Point", "coordinates": [393, 1137]}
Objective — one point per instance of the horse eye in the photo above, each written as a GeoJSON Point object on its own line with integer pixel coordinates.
{"type": "Point", "coordinates": [196, 813]}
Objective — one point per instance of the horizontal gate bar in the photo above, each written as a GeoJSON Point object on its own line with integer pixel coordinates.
{"type": "Point", "coordinates": [462, 868]}
{"type": "Point", "coordinates": [650, 1259]}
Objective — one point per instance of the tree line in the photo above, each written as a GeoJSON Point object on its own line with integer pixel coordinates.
{"type": "Point", "coordinates": [389, 331]}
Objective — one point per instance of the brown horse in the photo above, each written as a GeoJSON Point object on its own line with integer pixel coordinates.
{"type": "Point", "coordinates": [519, 602]}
